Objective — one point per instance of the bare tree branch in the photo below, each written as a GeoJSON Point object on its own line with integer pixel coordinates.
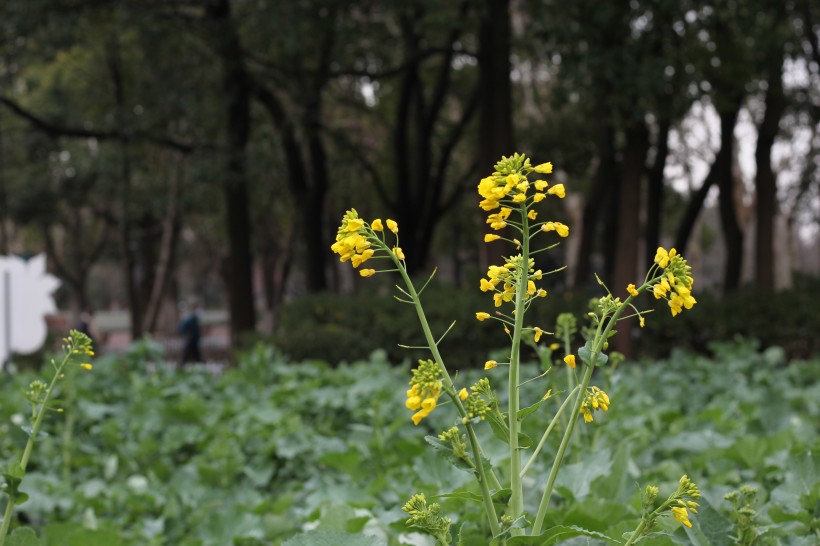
{"type": "Point", "coordinates": [56, 130]}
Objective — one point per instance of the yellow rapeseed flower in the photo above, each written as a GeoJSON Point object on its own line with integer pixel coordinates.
{"type": "Point", "coordinates": [86, 366]}
{"type": "Point", "coordinates": [543, 168]}
{"type": "Point", "coordinates": [557, 190]}
{"type": "Point", "coordinates": [376, 225]}
{"type": "Point", "coordinates": [662, 257]}
{"type": "Point", "coordinates": [367, 272]}
{"type": "Point", "coordinates": [570, 361]}
{"type": "Point", "coordinates": [632, 290]}
{"type": "Point", "coordinates": [463, 394]}
{"type": "Point", "coordinates": [538, 197]}
{"type": "Point", "coordinates": [541, 185]}
{"type": "Point", "coordinates": [532, 214]}
{"type": "Point", "coordinates": [398, 252]}
{"type": "Point", "coordinates": [681, 515]}
{"type": "Point", "coordinates": [537, 333]}
{"type": "Point", "coordinates": [482, 315]}
{"type": "Point", "coordinates": [490, 364]}
{"type": "Point", "coordinates": [490, 237]}
{"type": "Point", "coordinates": [392, 225]}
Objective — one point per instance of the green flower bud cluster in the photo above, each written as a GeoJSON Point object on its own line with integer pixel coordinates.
{"type": "Point", "coordinates": [427, 519]}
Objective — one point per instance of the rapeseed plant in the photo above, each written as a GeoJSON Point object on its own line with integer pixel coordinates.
{"type": "Point", "coordinates": [510, 195]}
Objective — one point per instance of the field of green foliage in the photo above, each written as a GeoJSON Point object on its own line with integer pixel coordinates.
{"type": "Point", "coordinates": [274, 452]}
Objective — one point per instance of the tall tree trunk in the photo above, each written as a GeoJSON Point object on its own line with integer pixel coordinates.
{"type": "Point", "coordinates": [125, 231]}
{"type": "Point", "coordinates": [495, 137]}
{"type": "Point", "coordinates": [4, 237]}
{"type": "Point", "coordinates": [721, 168]}
{"type": "Point", "coordinates": [625, 270]}
{"type": "Point", "coordinates": [655, 191]}
{"type": "Point", "coordinates": [596, 200]}
{"type": "Point", "coordinates": [237, 92]}
{"type": "Point", "coordinates": [167, 251]}
{"type": "Point", "coordinates": [765, 181]}
{"type": "Point", "coordinates": [727, 205]}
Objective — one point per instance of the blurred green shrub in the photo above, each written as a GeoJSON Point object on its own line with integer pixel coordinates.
{"type": "Point", "coordinates": [789, 319]}
{"type": "Point", "coordinates": [330, 327]}
{"type": "Point", "coordinates": [346, 328]}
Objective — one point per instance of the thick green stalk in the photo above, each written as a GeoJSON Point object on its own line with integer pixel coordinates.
{"type": "Point", "coordinates": [449, 388]}
{"type": "Point", "coordinates": [517, 494]}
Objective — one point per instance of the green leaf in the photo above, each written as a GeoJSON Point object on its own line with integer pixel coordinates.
{"type": "Point", "coordinates": [615, 485]}
{"type": "Point", "coordinates": [574, 480]}
{"type": "Point", "coordinates": [585, 353]}
{"type": "Point", "coordinates": [15, 470]}
{"type": "Point", "coordinates": [445, 450]}
{"type": "Point", "coordinates": [502, 496]}
{"type": "Point", "coordinates": [499, 427]}
{"type": "Point", "coordinates": [460, 495]}
{"type": "Point", "coordinates": [522, 413]}
{"type": "Point", "coordinates": [74, 534]}
{"type": "Point", "coordinates": [558, 533]}
{"type": "Point", "coordinates": [502, 431]}
{"type": "Point", "coordinates": [709, 528]}
{"type": "Point", "coordinates": [315, 538]}
{"type": "Point", "coordinates": [23, 536]}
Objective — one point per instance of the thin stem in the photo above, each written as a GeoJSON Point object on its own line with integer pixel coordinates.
{"type": "Point", "coordinates": [35, 429]}
{"type": "Point", "coordinates": [559, 457]}
{"type": "Point", "coordinates": [543, 440]}
{"type": "Point", "coordinates": [449, 388]}
{"type": "Point", "coordinates": [600, 338]}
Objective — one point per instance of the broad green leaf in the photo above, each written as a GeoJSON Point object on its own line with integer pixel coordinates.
{"type": "Point", "coordinates": [23, 536]}
{"type": "Point", "coordinates": [575, 479]}
{"type": "Point", "coordinates": [709, 528]}
{"type": "Point", "coordinates": [318, 538]}
{"type": "Point", "coordinates": [558, 533]}
{"type": "Point", "coordinates": [615, 484]}
{"type": "Point", "coordinates": [74, 534]}
{"type": "Point", "coordinates": [585, 353]}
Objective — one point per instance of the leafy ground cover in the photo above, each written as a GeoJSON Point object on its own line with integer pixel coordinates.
{"type": "Point", "coordinates": [296, 453]}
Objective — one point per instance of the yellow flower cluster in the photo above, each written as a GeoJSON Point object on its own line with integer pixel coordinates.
{"type": "Point", "coordinates": [676, 284]}
{"type": "Point", "coordinates": [509, 183]}
{"type": "Point", "coordinates": [425, 389]}
{"type": "Point", "coordinates": [686, 488]}
{"type": "Point", "coordinates": [355, 241]}
{"type": "Point", "coordinates": [595, 399]}
{"type": "Point", "coordinates": [505, 192]}
{"type": "Point", "coordinates": [506, 277]}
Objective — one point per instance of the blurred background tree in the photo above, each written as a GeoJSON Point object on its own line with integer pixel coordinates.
{"type": "Point", "coordinates": [159, 148]}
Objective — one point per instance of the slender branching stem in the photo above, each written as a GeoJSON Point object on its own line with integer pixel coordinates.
{"type": "Point", "coordinates": [449, 388]}
{"type": "Point", "coordinates": [543, 440]}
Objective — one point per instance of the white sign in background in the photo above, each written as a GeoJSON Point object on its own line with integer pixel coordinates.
{"type": "Point", "coordinates": [25, 298]}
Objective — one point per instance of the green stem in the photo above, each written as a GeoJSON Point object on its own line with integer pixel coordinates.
{"type": "Point", "coordinates": [35, 428]}
{"type": "Point", "coordinates": [644, 519]}
{"type": "Point", "coordinates": [449, 388]}
{"type": "Point", "coordinates": [637, 532]}
{"type": "Point", "coordinates": [543, 440]}
{"type": "Point", "coordinates": [600, 339]}
{"type": "Point", "coordinates": [559, 457]}
{"type": "Point", "coordinates": [516, 505]}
